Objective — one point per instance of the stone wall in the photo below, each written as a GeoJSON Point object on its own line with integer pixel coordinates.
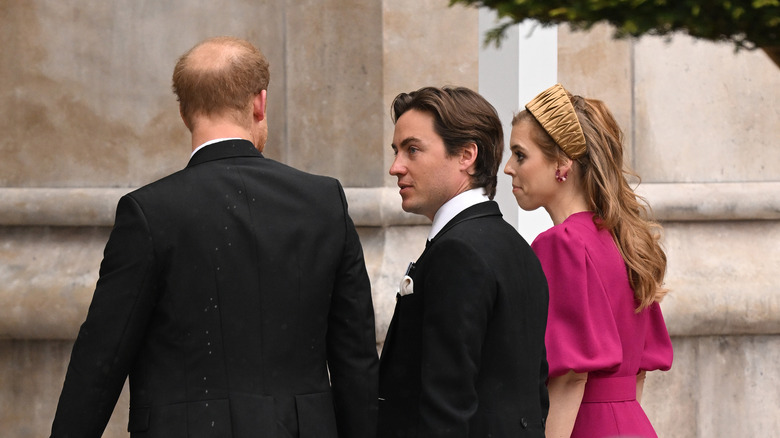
{"type": "Point", "coordinates": [701, 125]}
{"type": "Point", "coordinates": [87, 114]}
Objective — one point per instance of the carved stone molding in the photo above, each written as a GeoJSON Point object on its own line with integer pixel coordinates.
{"type": "Point", "coordinates": [378, 207]}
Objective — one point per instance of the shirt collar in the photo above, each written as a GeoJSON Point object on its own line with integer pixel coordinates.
{"type": "Point", "coordinates": [210, 142]}
{"type": "Point", "coordinates": [451, 208]}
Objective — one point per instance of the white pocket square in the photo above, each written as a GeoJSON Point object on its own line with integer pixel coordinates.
{"type": "Point", "coordinates": [406, 287]}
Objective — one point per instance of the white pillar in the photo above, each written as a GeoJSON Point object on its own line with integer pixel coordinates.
{"type": "Point", "coordinates": [510, 76]}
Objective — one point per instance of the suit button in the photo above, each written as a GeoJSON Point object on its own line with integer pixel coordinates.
{"type": "Point", "coordinates": [524, 422]}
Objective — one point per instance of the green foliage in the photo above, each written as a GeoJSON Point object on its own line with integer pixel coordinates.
{"type": "Point", "coordinates": [746, 23]}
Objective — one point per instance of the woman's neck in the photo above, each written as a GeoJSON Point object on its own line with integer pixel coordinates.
{"type": "Point", "coordinates": [569, 202]}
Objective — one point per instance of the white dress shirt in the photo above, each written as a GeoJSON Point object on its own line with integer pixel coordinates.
{"type": "Point", "coordinates": [451, 208]}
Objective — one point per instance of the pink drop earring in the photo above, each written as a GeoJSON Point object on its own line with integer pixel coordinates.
{"type": "Point", "coordinates": [560, 178]}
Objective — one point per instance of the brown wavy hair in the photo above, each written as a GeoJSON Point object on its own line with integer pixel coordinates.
{"type": "Point", "coordinates": [617, 207]}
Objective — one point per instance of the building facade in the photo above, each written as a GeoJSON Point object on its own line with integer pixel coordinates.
{"type": "Point", "coordinates": [87, 114]}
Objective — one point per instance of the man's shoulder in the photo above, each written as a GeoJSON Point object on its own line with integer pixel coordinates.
{"type": "Point", "coordinates": [484, 232]}
{"type": "Point", "coordinates": [295, 172]}
{"type": "Point", "coordinates": [484, 220]}
{"type": "Point", "coordinates": [270, 167]}
{"type": "Point", "coordinates": [481, 235]}
{"type": "Point", "coordinates": [151, 188]}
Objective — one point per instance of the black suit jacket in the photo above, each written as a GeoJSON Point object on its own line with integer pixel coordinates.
{"type": "Point", "coordinates": [235, 296]}
{"type": "Point", "coordinates": [464, 355]}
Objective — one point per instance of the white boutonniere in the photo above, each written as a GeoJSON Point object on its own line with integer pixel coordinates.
{"type": "Point", "coordinates": [406, 287]}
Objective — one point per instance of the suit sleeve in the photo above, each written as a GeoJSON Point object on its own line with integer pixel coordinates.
{"type": "Point", "coordinates": [112, 332]}
{"type": "Point", "coordinates": [351, 341]}
{"type": "Point", "coordinates": [460, 291]}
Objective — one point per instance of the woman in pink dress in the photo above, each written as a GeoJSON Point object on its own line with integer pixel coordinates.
{"type": "Point", "coordinates": [603, 263]}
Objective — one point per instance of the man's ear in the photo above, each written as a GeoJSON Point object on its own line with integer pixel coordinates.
{"type": "Point", "coordinates": [258, 106]}
{"type": "Point", "coordinates": [468, 157]}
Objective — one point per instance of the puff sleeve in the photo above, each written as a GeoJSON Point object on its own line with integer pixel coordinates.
{"type": "Point", "coordinates": [582, 333]}
{"type": "Point", "coordinates": [658, 352]}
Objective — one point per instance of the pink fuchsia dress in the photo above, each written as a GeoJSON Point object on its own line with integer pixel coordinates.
{"type": "Point", "coordinates": [592, 327]}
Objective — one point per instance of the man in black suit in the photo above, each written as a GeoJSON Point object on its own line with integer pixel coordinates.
{"type": "Point", "coordinates": [234, 292]}
{"type": "Point", "coordinates": [464, 355]}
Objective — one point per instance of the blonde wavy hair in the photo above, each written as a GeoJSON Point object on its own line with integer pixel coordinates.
{"type": "Point", "coordinates": [619, 209]}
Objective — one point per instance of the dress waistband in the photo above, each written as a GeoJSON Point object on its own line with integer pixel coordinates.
{"type": "Point", "coordinates": [609, 389]}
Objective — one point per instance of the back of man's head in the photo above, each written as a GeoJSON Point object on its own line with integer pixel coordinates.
{"type": "Point", "coordinates": [461, 116]}
{"type": "Point", "coordinates": [218, 78]}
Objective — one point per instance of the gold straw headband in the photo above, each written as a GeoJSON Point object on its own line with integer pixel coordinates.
{"type": "Point", "coordinates": [555, 112]}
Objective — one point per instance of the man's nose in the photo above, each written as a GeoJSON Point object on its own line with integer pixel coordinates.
{"type": "Point", "coordinates": [397, 168]}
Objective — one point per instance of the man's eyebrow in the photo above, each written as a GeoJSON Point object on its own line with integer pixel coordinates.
{"type": "Point", "coordinates": [405, 142]}
{"type": "Point", "coordinates": [408, 140]}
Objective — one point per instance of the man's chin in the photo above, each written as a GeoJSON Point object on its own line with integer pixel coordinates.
{"type": "Point", "coordinates": [408, 207]}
